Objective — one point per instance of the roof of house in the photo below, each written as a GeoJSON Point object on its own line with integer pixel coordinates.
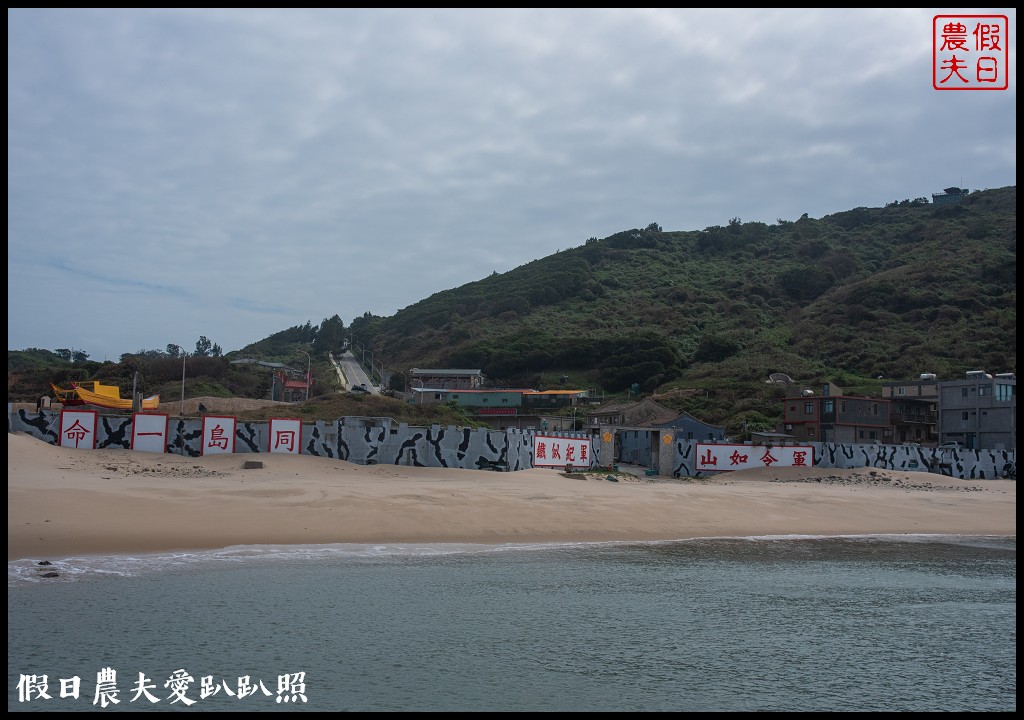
{"type": "Point", "coordinates": [443, 371]}
{"type": "Point", "coordinates": [553, 392]}
{"type": "Point", "coordinates": [475, 391]}
{"type": "Point", "coordinates": [642, 413]}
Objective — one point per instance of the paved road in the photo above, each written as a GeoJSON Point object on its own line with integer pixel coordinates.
{"type": "Point", "coordinates": [352, 374]}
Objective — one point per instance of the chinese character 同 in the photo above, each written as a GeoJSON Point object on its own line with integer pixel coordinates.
{"type": "Point", "coordinates": [287, 439]}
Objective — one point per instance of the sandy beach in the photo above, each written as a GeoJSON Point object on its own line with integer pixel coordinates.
{"type": "Point", "coordinates": [64, 502]}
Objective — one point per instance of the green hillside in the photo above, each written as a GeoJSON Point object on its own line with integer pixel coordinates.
{"type": "Point", "coordinates": [891, 292]}
{"type": "Point", "coordinates": [700, 319]}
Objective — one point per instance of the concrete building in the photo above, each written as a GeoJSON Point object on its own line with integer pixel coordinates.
{"type": "Point", "coordinates": [914, 409]}
{"type": "Point", "coordinates": [641, 427]}
{"type": "Point", "coordinates": [642, 413]}
{"type": "Point", "coordinates": [827, 415]}
{"type": "Point", "coordinates": [950, 195]}
{"type": "Point", "coordinates": [980, 411]}
{"type": "Point", "coordinates": [446, 379]}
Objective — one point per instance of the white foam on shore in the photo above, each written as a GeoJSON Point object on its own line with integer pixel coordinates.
{"type": "Point", "coordinates": [20, 572]}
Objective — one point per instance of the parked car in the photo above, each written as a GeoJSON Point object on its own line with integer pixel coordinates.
{"type": "Point", "coordinates": [950, 445]}
{"type": "Point", "coordinates": [360, 388]}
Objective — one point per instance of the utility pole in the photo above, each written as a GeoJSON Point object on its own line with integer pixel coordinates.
{"type": "Point", "coordinates": [183, 356]}
{"type": "Point", "coordinates": [309, 363]}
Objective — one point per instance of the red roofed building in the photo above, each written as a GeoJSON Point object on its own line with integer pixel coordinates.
{"type": "Point", "coordinates": [291, 389]}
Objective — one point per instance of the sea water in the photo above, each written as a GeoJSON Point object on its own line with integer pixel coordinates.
{"type": "Point", "coordinates": [897, 623]}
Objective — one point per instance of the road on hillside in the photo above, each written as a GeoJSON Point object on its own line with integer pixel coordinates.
{"type": "Point", "coordinates": [354, 374]}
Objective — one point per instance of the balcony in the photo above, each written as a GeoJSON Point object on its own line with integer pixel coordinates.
{"type": "Point", "coordinates": [926, 418]}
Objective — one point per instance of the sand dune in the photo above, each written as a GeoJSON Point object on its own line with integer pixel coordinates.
{"type": "Point", "coordinates": [64, 502]}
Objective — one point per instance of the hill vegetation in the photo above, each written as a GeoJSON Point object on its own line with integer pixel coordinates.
{"type": "Point", "coordinates": [699, 319]}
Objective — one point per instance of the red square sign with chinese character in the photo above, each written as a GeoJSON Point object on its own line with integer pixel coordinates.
{"type": "Point", "coordinates": [970, 52]}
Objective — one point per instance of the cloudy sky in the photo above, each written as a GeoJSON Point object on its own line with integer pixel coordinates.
{"type": "Point", "coordinates": [233, 173]}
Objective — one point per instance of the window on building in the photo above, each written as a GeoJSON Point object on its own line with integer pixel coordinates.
{"type": "Point", "coordinates": [829, 405]}
{"type": "Point", "coordinates": [1004, 392]}
{"type": "Point", "coordinates": [874, 408]}
{"type": "Point", "coordinates": [983, 389]}
{"type": "Point", "coordinates": [872, 435]}
{"type": "Point", "coordinates": [808, 408]}
{"type": "Point", "coordinates": [842, 406]}
{"type": "Point", "coordinates": [901, 391]}
{"type": "Point", "coordinates": [810, 430]}
{"type": "Point", "coordinates": [963, 392]}
{"type": "Point", "coordinates": [963, 415]}
{"type": "Point", "coordinates": [861, 434]}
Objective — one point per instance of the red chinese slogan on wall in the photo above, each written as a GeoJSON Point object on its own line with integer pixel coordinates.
{"type": "Point", "coordinates": [719, 458]}
{"type": "Point", "coordinates": [78, 429]}
{"type": "Point", "coordinates": [285, 436]}
{"type": "Point", "coordinates": [559, 451]}
{"type": "Point", "coordinates": [149, 432]}
{"type": "Point", "coordinates": [970, 52]}
{"type": "Point", "coordinates": [218, 435]}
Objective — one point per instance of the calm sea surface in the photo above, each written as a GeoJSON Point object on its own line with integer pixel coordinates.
{"type": "Point", "coordinates": [760, 624]}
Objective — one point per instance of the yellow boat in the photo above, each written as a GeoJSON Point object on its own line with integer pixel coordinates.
{"type": "Point", "coordinates": [105, 396]}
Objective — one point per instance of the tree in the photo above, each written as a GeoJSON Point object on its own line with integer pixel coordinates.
{"type": "Point", "coordinates": [203, 346]}
{"type": "Point", "coordinates": [174, 350]}
{"type": "Point", "coordinates": [330, 336]}
{"type": "Point", "coordinates": [63, 353]}
{"type": "Point", "coordinates": [79, 356]}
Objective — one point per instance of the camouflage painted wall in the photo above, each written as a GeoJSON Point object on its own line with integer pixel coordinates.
{"type": "Point", "coordinates": [369, 441]}
{"type": "Point", "coordinates": [964, 464]}
{"type": "Point", "coordinates": [366, 441]}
